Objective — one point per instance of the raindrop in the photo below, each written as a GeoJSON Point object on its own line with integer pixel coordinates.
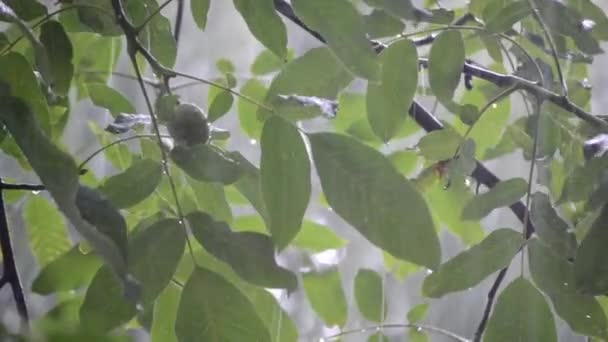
{"type": "Point", "coordinates": [494, 106]}
{"type": "Point", "coordinates": [181, 222]}
{"type": "Point", "coordinates": [429, 271]}
{"type": "Point", "coordinates": [253, 141]}
{"type": "Point", "coordinates": [588, 316]}
{"type": "Point", "coordinates": [565, 284]}
{"type": "Point", "coordinates": [330, 208]}
{"type": "Point", "coordinates": [35, 192]}
{"type": "Point", "coordinates": [139, 307]}
{"type": "Point", "coordinates": [418, 329]}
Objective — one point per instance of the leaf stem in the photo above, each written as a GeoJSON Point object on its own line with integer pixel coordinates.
{"type": "Point", "coordinates": [116, 142]}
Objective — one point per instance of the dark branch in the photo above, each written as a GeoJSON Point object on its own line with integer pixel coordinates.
{"type": "Point", "coordinates": [178, 20]}
{"type": "Point", "coordinates": [27, 187]}
{"type": "Point", "coordinates": [488, 309]}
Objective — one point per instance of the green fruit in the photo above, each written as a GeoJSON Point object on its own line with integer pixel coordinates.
{"type": "Point", "coordinates": [189, 126]}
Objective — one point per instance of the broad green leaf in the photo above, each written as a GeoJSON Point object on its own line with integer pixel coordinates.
{"type": "Point", "coordinates": [200, 10]}
{"type": "Point", "coordinates": [118, 155]}
{"type": "Point", "coordinates": [417, 336]}
{"type": "Point", "coordinates": [154, 254]}
{"type": "Point", "coordinates": [592, 11]}
{"type": "Point", "coordinates": [417, 313]}
{"type": "Point", "coordinates": [133, 185]}
{"type": "Point", "coordinates": [325, 295]}
{"type": "Point", "coordinates": [70, 271]}
{"type": "Point", "coordinates": [369, 295]}
{"type": "Point", "coordinates": [251, 255]}
{"type": "Point", "coordinates": [389, 101]}
{"type": "Point", "coordinates": [206, 163]}
{"type": "Point", "coordinates": [470, 267]}
{"type": "Point", "coordinates": [521, 314]}
{"type": "Point", "coordinates": [162, 43]}
{"type": "Point", "coordinates": [503, 194]}
{"type": "Point", "coordinates": [445, 64]}
{"type": "Point", "coordinates": [341, 25]}
{"type": "Point", "coordinates": [590, 270]}
{"type": "Point", "coordinates": [220, 105]}
{"type": "Point", "coordinates": [250, 124]}
{"type": "Point", "coordinates": [508, 16]}
{"type": "Point", "coordinates": [249, 184]}
{"type": "Point", "coordinates": [212, 309]}
{"type": "Point", "coordinates": [440, 145]}
{"type": "Point", "coordinates": [225, 66]}
{"type": "Point", "coordinates": [106, 97]}
{"type": "Point", "coordinates": [27, 9]}
{"type": "Point", "coordinates": [58, 172]}
{"type": "Point", "coordinates": [267, 62]}
{"type": "Point", "coordinates": [406, 10]}
{"type": "Point", "coordinates": [317, 238]}
{"type": "Point", "coordinates": [46, 229]}
{"type": "Point", "coordinates": [553, 274]}
{"type": "Point", "coordinates": [59, 51]}
{"type": "Point", "coordinates": [380, 24]}
{"type": "Point", "coordinates": [89, 15]}
{"type": "Point", "coordinates": [551, 228]}
{"type": "Point", "coordinates": [285, 179]}
{"type": "Point", "coordinates": [265, 24]}
{"type": "Point", "coordinates": [363, 187]}
{"type": "Point", "coordinates": [210, 198]}
{"type": "Point", "coordinates": [94, 59]}
{"type": "Point", "coordinates": [404, 161]}
{"type": "Point", "coordinates": [165, 313]}
{"type": "Point", "coordinates": [324, 74]}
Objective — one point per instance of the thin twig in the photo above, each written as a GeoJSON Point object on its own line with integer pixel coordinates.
{"type": "Point", "coordinates": [428, 328]}
{"type": "Point", "coordinates": [116, 142]}
{"type": "Point", "coordinates": [179, 15]}
{"type": "Point", "coordinates": [25, 187]}
{"type": "Point", "coordinates": [488, 308]}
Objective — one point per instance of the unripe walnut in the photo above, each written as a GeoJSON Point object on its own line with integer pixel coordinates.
{"type": "Point", "coordinates": [189, 126]}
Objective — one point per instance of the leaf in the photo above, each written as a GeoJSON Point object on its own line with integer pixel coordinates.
{"type": "Point", "coordinates": [249, 184]}
{"type": "Point", "coordinates": [220, 105]}
{"type": "Point", "coordinates": [363, 187]}
{"type": "Point", "coordinates": [165, 313]}
{"type": "Point", "coordinates": [285, 179]}
{"type": "Point", "coordinates": [265, 24]}
{"type": "Point", "coordinates": [106, 97]}
{"type": "Point", "coordinates": [251, 255]}
{"type": "Point", "coordinates": [470, 267]}
{"type": "Point", "coordinates": [125, 122]}
{"type": "Point", "coordinates": [88, 14]}
{"type": "Point", "coordinates": [503, 194]}
{"type": "Point", "coordinates": [380, 24]}
{"type": "Point", "coordinates": [250, 124]}
{"type": "Point", "coordinates": [389, 101]}
{"type": "Point", "coordinates": [58, 172]}
{"type": "Point", "coordinates": [59, 51]}
{"type": "Point", "coordinates": [212, 309]}
{"type": "Point", "coordinates": [200, 10]}
{"type": "Point", "coordinates": [225, 66]}
{"type": "Point", "coordinates": [342, 27]}
{"type": "Point", "coordinates": [206, 163]}
{"type": "Point", "coordinates": [369, 294]}
{"type": "Point", "coordinates": [154, 254]}
{"type": "Point", "coordinates": [417, 313]}
{"type": "Point", "coordinates": [210, 198]}
{"type": "Point", "coordinates": [70, 271]}
{"type": "Point", "coordinates": [162, 43]}
{"type": "Point", "coordinates": [317, 238]}
{"type": "Point", "coordinates": [327, 108]}
{"type": "Point", "coordinates": [406, 10]}
{"type": "Point", "coordinates": [440, 145]}
{"type": "Point", "coordinates": [46, 230]}
{"type": "Point", "coordinates": [324, 74]}
{"type": "Point", "coordinates": [325, 294]}
{"type": "Point", "coordinates": [551, 228]}
{"type": "Point", "coordinates": [378, 337]}
{"type": "Point", "coordinates": [521, 314]}
{"type": "Point", "coordinates": [444, 73]}
{"type": "Point", "coordinates": [404, 161]}
{"type": "Point", "coordinates": [267, 62]}
{"type": "Point", "coordinates": [508, 16]}
{"type": "Point", "coordinates": [27, 9]}
{"type": "Point", "coordinates": [133, 185]}
{"type": "Point", "coordinates": [590, 270]}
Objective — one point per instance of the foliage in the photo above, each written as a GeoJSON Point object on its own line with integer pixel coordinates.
{"type": "Point", "coordinates": [190, 239]}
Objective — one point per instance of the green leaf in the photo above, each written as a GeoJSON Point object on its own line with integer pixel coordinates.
{"type": "Point", "coordinates": [162, 43]}
{"type": "Point", "coordinates": [206, 163]}
{"type": "Point", "coordinates": [133, 185]}
{"type": "Point", "coordinates": [285, 179]}
{"type": "Point", "coordinates": [58, 172]}
{"type": "Point", "coordinates": [325, 294]}
{"type": "Point", "coordinates": [389, 101]}
{"type": "Point", "coordinates": [404, 161]}
{"type": "Point", "coordinates": [507, 17]}
{"type": "Point", "coordinates": [417, 313]}
{"type": "Point", "coordinates": [46, 230]}
{"type": "Point", "coordinates": [26, 9]}
{"type": "Point", "coordinates": [446, 60]}
{"type": "Point", "coordinates": [256, 90]}
{"type": "Point", "coordinates": [380, 24]}
{"type": "Point", "coordinates": [440, 145]}
{"type": "Point", "coordinates": [472, 266]}
{"type": "Point", "coordinates": [70, 271]}
{"type": "Point", "coordinates": [265, 24]}
{"type": "Point", "coordinates": [249, 184]}
{"type": "Point", "coordinates": [251, 255]}
{"type": "Point", "coordinates": [553, 274]}
{"type": "Point", "coordinates": [317, 238]}
{"type": "Point", "coordinates": [200, 10]}
{"type": "Point", "coordinates": [165, 314]}
{"type": "Point", "coordinates": [220, 105]}
{"type": "Point", "coordinates": [503, 194]}
{"type": "Point", "coordinates": [154, 254]}
{"type": "Point", "coordinates": [267, 62]}
{"type": "Point", "coordinates": [406, 10]}
{"type": "Point", "coordinates": [59, 51]}
{"type": "Point", "coordinates": [369, 294]}
{"type": "Point", "coordinates": [89, 16]}
{"type": "Point", "coordinates": [107, 97]}
{"type": "Point", "coordinates": [342, 27]}
{"type": "Point", "coordinates": [521, 314]}
{"type": "Point", "coordinates": [324, 74]}
{"type": "Point", "coordinates": [212, 309]}
{"type": "Point", "coordinates": [363, 187]}
{"type": "Point", "coordinates": [551, 228]}
{"type": "Point", "coordinates": [378, 337]}
{"type": "Point", "coordinates": [590, 270]}
{"type": "Point", "coordinates": [210, 198]}
{"type": "Point", "coordinates": [225, 66]}
{"type": "Point", "coordinates": [94, 59]}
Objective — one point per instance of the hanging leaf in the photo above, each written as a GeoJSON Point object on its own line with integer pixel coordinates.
{"type": "Point", "coordinates": [470, 267]}
{"type": "Point", "coordinates": [210, 198]}
{"type": "Point", "coordinates": [249, 184]}
{"type": "Point", "coordinates": [503, 194]}
{"type": "Point", "coordinates": [220, 105]}
{"type": "Point", "coordinates": [46, 230]}
{"type": "Point", "coordinates": [406, 10]}
{"type": "Point", "coordinates": [551, 228]}
{"type": "Point", "coordinates": [324, 74]}
{"type": "Point", "coordinates": [265, 24]}
{"type": "Point", "coordinates": [325, 294]}
{"type": "Point", "coordinates": [133, 185]}
{"type": "Point", "coordinates": [162, 42]}
{"type": "Point", "coordinates": [200, 10]}
{"type": "Point", "coordinates": [369, 294]}
{"type": "Point", "coordinates": [590, 272]}
{"type": "Point", "coordinates": [212, 309]}
{"type": "Point", "coordinates": [389, 101]}
{"type": "Point", "coordinates": [417, 313]}
{"type": "Point", "coordinates": [508, 16]}
{"type": "Point", "coordinates": [206, 163]}
{"type": "Point", "coordinates": [267, 62]}
{"type": "Point", "coordinates": [71, 271]}
{"type": "Point", "coordinates": [363, 187]}
{"type": "Point", "coordinates": [59, 51]}
{"type": "Point", "coordinates": [521, 314]}
{"type": "Point", "coordinates": [440, 145]}
{"type": "Point", "coordinates": [341, 25]}
{"type": "Point", "coordinates": [285, 179]}
{"type": "Point", "coordinates": [317, 238]}
{"type": "Point", "coordinates": [446, 60]}
{"type": "Point", "coordinates": [165, 314]}
{"type": "Point", "coordinates": [379, 23]}
{"type": "Point", "coordinates": [251, 255]}
{"type": "Point", "coordinates": [27, 9]}
{"type": "Point", "coordinates": [109, 98]}
{"type": "Point", "coordinates": [250, 124]}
